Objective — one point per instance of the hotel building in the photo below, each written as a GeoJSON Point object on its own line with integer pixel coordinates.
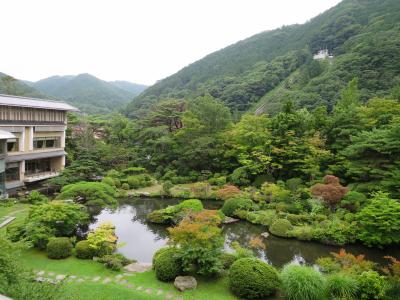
{"type": "Point", "coordinates": [32, 140]}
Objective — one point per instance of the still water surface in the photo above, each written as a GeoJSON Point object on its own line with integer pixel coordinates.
{"type": "Point", "coordinates": [141, 239]}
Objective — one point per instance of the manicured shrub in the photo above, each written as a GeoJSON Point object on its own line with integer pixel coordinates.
{"type": "Point", "coordinates": [233, 204]}
{"type": "Point", "coordinates": [134, 171]}
{"type": "Point", "coordinates": [342, 286]}
{"type": "Point", "coordinates": [125, 186]}
{"type": "Point", "coordinates": [35, 197]}
{"type": "Point", "coordinates": [281, 227]}
{"type": "Point", "coordinates": [302, 282]}
{"type": "Point", "coordinates": [371, 285]}
{"type": "Point", "coordinates": [59, 247]}
{"type": "Point", "coordinates": [83, 250]}
{"type": "Point", "coordinates": [251, 278]}
{"type": "Point", "coordinates": [89, 193]}
{"type": "Point", "coordinates": [157, 253]}
{"type": "Point", "coordinates": [334, 232]}
{"type": "Point", "coordinates": [167, 264]}
{"type": "Point", "coordinates": [193, 205]}
{"type": "Point", "coordinates": [15, 232]}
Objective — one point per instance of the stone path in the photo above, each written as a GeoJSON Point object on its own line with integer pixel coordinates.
{"type": "Point", "coordinates": [120, 279]}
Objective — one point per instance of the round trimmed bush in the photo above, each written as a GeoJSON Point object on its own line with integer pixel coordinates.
{"type": "Point", "coordinates": [168, 265]}
{"type": "Point", "coordinates": [302, 282]}
{"type": "Point", "coordinates": [281, 227]}
{"type": "Point", "coordinates": [342, 286]}
{"type": "Point", "coordinates": [234, 204]}
{"type": "Point", "coordinates": [158, 252]}
{"type": "Point", "coordinates": [193, 205]}
{"type": "Point", "coordinates": [83, 250]}
{"type": "Point", "coordinates": [251, 278]}
{"type": "Point", "coordinates": [59, 247]}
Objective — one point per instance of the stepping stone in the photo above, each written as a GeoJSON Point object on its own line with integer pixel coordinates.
{"type": "Point", "coordinates": [179, 298]}
{"type": "Point", "coordinates": [51, 273]}
{"type": "Point", "coordinates": [139, 288]}
{"type": "Point", "coordinates": [169, 296]}
{"type": "Point", "coordinates": [129, 286]}
{"type": "Point", "coordinates": [107, 280]}
{"type": "Point", "coordinates": [72, 277]}
{"type": "Point", "coordinates": [148, 291]}
{"type": "Point", "coordinates": [138, 267]}
{"type": "Point", "coordinates": [80, 280]}
{"type": "Point", "coordinates": [60, 277]}
{"type": "Point", "coordinates": [123, 281]}
{"type": "Point", "coordinates": [40, 273]}
{"type": "Point", "coordinates": [119, 276]}
{"type": "Point", "coordinates": [40, 279]}
{"type": "Point", "coordinates": [159, 292]}
{"type": "Point", "coordinates": [97, 278]}
{"type": "Point", "coordinates": [127, 274]}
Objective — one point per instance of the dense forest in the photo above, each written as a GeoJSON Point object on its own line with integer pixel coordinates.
{"type": "Point", "coordinates": [264, 70]}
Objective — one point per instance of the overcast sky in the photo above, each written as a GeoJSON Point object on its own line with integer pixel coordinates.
{"type": "Point", "coordinates": [139, 41]}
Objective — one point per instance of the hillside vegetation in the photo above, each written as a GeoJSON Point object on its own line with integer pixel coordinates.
{"type": "Point", "coordinates": [89, 93]}
{"type": "Point", "coordinates": [269, 67]}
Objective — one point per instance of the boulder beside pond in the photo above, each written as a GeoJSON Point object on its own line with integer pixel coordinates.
{"type": "Point", "coordinates": [185, 283]}
{"type": "Point", "coordinates": [229, 220]}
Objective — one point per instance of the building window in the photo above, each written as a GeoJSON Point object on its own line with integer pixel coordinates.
{"type": "Point", "coordinates": [2, 147]}
{"type": "Point", "coordinates": [12, 172]}
{"type": "Point", "coordinates": [37, 166]}
{"type": "Point", "coordinates": [46, 142]}
{"type": "Point", "coordinates": [12, 145]}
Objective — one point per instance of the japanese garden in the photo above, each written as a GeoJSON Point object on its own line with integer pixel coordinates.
{"type": "Point", "coordinates": [274, 176]}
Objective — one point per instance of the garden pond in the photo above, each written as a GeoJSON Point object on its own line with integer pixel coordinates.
{"type": "Point", "coordinates": [139, 239]}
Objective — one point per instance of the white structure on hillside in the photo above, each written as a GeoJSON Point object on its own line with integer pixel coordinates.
{"type": "Point", "coordinates": [322, 54]}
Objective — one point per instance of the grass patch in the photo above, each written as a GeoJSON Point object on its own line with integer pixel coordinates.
{"type": "Point", "coordinates": [210, 289]}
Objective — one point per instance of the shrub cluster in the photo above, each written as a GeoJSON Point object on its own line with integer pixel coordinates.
{"type": "Point", "coordinates": [59, 247]}
{"type": "Point", "coordinates": [235, 204]}
{"type": "Point", "coordinates": [281, 227]}
{"type": "Point", "coordinates": [175, 213]}
{"type": "Point", "coordinates": [83, 250]}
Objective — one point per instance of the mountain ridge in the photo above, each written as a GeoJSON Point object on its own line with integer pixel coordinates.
{"type": "Point", "coordinates": [243, 73]}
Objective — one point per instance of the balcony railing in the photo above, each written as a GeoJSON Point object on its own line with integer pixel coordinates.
{"type": "Point", "coordinates": [40, 176]}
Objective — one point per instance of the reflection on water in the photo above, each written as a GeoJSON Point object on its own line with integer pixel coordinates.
{"type": "Point", "coordinates": [141, 239]}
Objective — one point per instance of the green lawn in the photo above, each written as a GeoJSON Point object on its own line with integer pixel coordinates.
{"type": "Point", "coordinates": [19, 210]}
{"type": "Point", "coordinates": [216, 289]}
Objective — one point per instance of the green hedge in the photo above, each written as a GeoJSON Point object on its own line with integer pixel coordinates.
{"type": "Point", "coordinates": [251, 278]}
{"type": "Point", "coordinates": [59, 247]}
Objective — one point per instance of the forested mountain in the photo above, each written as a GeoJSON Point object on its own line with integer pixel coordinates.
{"type": "Point", "coordinates": [261, 71]}
{"type": "Point", "coordinates": [90, 94]}
{"type": "Point", "coordinates": [11, 86]}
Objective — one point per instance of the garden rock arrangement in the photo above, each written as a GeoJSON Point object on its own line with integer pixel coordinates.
{"type": "Point", "coordinates": [185, 283]}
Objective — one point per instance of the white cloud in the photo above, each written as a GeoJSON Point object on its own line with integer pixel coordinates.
{"type": "Point", "coordinates": [140, 41]}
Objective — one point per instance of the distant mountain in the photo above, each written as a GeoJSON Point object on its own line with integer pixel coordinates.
{"type": "Point", "coordinates": [12, 86]}
{"type": "Point", "coordinates": [260, 72]}
{"type": "Point", "coordinates": [133, 88]}
{"type": "Point", "coordinates": [88, 93]}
